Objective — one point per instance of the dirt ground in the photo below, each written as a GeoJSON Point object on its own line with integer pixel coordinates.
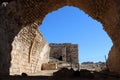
{"type": "Point", "coordinates": [65, 74]}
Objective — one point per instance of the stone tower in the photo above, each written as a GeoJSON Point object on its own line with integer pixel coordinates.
{"type": "Point", "coordinates": [65, 52]}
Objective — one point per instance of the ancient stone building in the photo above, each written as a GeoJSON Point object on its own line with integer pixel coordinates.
{"type": "Point", "coordinates": [65, 52]}
{"type": "Point", "coordinates": [19, 20]}
{"type": "Point", "coordinates": [29, 56]}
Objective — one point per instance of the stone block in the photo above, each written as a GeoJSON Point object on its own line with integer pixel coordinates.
{"type": "Point", "coordinates": [47, 66]}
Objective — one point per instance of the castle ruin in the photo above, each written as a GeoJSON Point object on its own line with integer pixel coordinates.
{"type": "Point", "coordinates": [65, 52]}
{"type": "Point", "coordinates": [19, 21]}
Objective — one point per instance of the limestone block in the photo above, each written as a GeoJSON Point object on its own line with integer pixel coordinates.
{"type": "Point", "coordinates": [47, 66]}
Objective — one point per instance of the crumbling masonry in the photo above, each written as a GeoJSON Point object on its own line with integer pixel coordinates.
{"type": "Point", "coordinates": [21, 43]}
{"type": "Point", "coordinates": [65, 52]}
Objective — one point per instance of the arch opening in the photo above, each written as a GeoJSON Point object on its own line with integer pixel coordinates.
{"type": "Point", "coordinates": [71, 25]}
{"type": "Point", "coordinates": [31, 13]}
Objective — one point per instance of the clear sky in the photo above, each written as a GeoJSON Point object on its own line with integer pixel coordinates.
{"type": "Point", "coordinates": [72, 25]}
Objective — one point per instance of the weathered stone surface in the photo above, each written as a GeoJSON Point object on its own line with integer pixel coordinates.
{"type": "Point", "coordinates": [49, 66]}
{"type": "Point", "coordinates": [29, 51]}
{"type": "Point", "coordinates": [22, 47]}
{"type": "Point", "coordinates": [19, 14]}
{"type": "Point", "coordinates": [65, 52]}
{"type": "Point", "coordinates": [8, 30]}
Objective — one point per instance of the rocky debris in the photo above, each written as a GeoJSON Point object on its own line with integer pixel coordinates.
{"type": "Point", "coordinates": [86, 74]}
{"type": "Point", "coordinates": [68, 74]}
{"type": "Point", "coordinates": [65, 74]}
{"type": "Point", "coordinates": [60, 64]}
{"type": "Point", "coordinates": [98, 66]}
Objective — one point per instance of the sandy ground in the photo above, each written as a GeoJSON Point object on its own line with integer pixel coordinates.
{"type": "Point", "coordinates": [44, 73]}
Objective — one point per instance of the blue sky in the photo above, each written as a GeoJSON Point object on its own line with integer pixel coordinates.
{"type": "Point", "coordinates": [72, 25]}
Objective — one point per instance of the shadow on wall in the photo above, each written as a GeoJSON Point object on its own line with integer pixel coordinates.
{"type": "Point", "coordinates": [68, 74]}
{"type": "Point", "coordinates": [6, 38]}
{"type": "Point", "coordinates": [8, 31]}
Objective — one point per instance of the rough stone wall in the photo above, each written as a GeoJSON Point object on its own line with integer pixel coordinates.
{"type": "Point", "coordinates": [19, 13]}
{"type": "Point", "coordinates": [67, 52]}
{"type": "Point", "coordinates": [9, 28]}
{"type": "Point", "coordinates": [29, 51]}
{"type": "Point", "coordinates": [72, 53]}
{"type": "Point", "coordinates": [58, 51]}
{"type": "Point", "coordinates": [22, 47]}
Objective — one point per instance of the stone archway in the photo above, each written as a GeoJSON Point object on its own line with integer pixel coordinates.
{"type": "Point", "coordinates": [19, 18]}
